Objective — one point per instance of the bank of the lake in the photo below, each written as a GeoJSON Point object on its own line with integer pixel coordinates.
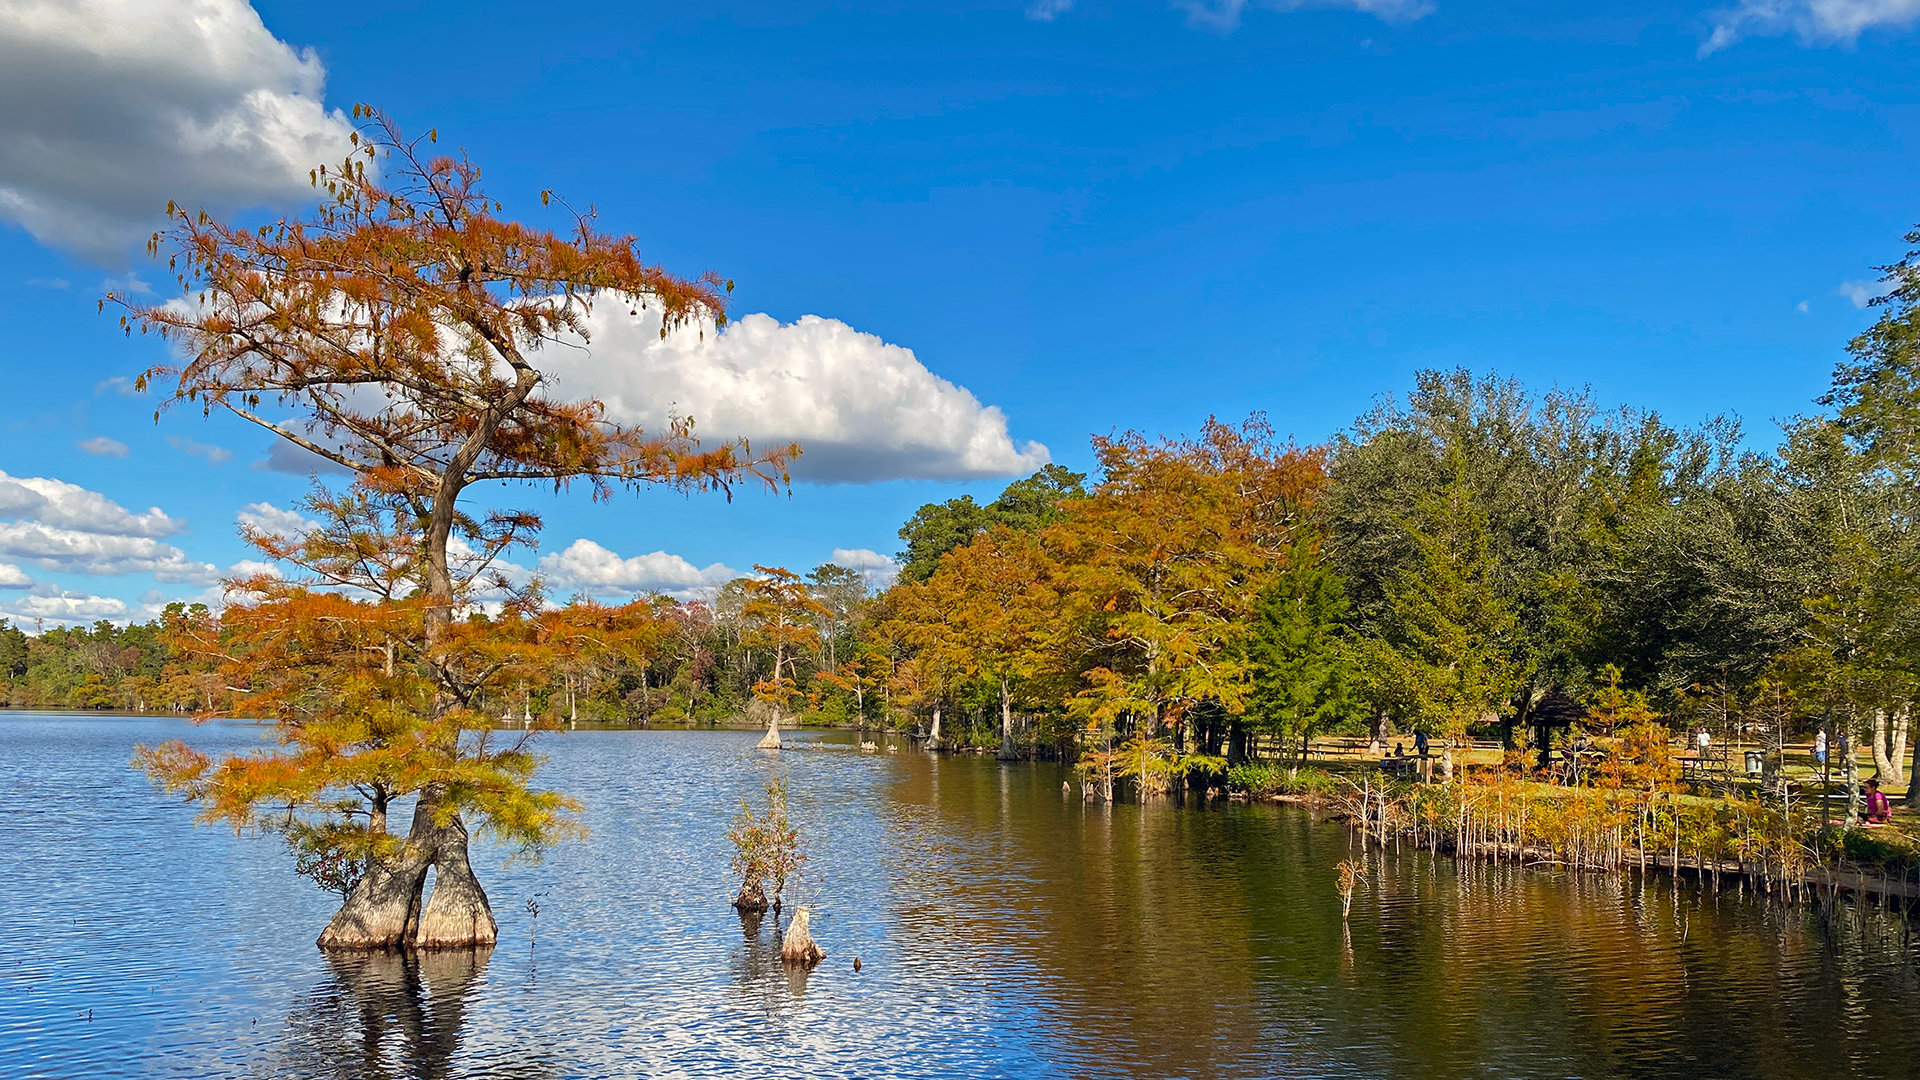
{"type": "Point", "coordinates": [1003, 930]}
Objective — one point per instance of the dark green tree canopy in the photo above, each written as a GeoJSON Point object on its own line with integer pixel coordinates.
{"type": "Point", "coordinates": [1298, 658]}
{"type": "Point", "coordinates": [937, 528]}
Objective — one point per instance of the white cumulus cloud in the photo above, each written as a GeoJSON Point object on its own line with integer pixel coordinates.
{"type": "Point", "coordinates": [103, 446]}
{"type": "Point", "coordinates": [861, 409]}
{"type": "Point", "coordinates": [285, 457]}
{"type": "Point", "coordinates": [76, 552]}
{"type": "Point", "coordinates": [1860, 292]}
{"type": "Point", "coordinates": [1226, 14]}
{"type": "Point", "coordinates": [877, 570]}
{"type": "Point", "coordinates": [252, 568]}
{"type": "Point", "coordinates": [65, 527]}
{"type": "Point", "coordinates": [108, 108]}
{"type": "Point", "coordinates": [64, 606]}
{"type": "Point", "coordinates": [1812, 21]}
{"type": "Point", "coordinates": [12, 577]}
{"type": "Point", "coordinates": [70, 506]}
{"type": "Point", "coordinates": [275, 521]}
{"type": "Point", "coordinates": [585, 566]}
{"type": "Point", "coordinates": [215, 454]}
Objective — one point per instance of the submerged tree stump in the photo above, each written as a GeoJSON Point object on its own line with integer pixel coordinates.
{"type": "Point", "coordinates": [752, 898]}
{"type": "Point", "coordinates": [798, 947]}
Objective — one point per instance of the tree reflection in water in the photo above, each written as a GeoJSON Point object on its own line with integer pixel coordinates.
{"type": "Point", "coordinates": [758, 973]}
{"type": "Point", "coordinates": [390, 1015]}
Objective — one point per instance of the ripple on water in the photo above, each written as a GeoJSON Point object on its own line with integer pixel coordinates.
{"type": "Point", "coordinates": [1003, 930]}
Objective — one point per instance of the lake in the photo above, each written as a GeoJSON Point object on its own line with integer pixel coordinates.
{"type": "Point", "coordinates": [1003, 929]}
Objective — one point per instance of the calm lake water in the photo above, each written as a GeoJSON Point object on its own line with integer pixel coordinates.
{"type": "Point", "coordinates": [1003, 929]}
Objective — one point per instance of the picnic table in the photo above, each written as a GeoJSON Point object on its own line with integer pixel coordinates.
{"type": "Point", "coordinates": [1404, 765]}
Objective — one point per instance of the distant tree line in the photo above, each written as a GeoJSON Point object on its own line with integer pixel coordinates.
{"type": "Point", "coordinates": [104, 666]}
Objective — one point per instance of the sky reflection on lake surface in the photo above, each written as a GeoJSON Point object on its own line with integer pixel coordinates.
{"type": "Point", "coordinates": [1003, 930]}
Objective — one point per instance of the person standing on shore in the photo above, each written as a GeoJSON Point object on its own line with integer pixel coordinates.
{"type": "Point", "coordinates": [1820, 750]}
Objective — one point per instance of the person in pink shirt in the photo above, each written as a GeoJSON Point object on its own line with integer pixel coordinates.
{"type": "Point", "coordinates": [1879, 810]}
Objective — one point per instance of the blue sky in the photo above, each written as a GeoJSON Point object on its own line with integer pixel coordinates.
{"type": "Point", "coordinates": [1127, 215]}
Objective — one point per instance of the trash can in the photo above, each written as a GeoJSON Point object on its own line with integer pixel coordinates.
{"type": "Point", "coordinates": [1755, 759]}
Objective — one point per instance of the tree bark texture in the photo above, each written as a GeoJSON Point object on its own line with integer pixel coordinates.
{"type": "Point", "coordinates": [1897, 742]}
{"type": "Point", "coordinates": [1913, 770]}
{"type": "Point", "coordinates": [381, 910]}
{"type": "Point", "coordinates": [384, 911]}
{"type": "Point", "coordinates": [798, 947]}
{"type": "Point", "coordinates": [752, 898]}
{"type": "Point", "coordinates": [456, 915]}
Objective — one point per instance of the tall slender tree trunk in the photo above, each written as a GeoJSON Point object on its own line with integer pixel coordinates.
{"type": "Point", "coordinates": [1007, 750]}
{"type": "Point", "coordinates": [1236, 743]}
{"type": "Point", "coordinates": [456, 915]}
{"type": "Point", "coordinates": [1897, 742]}
{"type": "Point", "coordinates": [1882, 760]}
{"type": "Point", "coordinates": [1851, 773]}
{"type": "Point", "coordinates": [933, 737]}
{"type": "Point", "coordinates": [771, 740]}
{"type": "Point", "coordinates": [1913, 771]}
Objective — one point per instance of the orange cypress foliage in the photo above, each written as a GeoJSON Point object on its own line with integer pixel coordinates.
{"type": "Point", "coordinates": [782, 614]}
{"type": "Point", "coordinates": [367, 712]}
{"type": "Point", "coordinates": [1165, 561]}
{"type": "Point", "coordinates": [990, 613]}
{"type": "Point", "coordinates": [394, 332]}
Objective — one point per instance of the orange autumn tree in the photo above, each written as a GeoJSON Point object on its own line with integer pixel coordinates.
{"type": "Point", "coordinates": [1164, 565]}
{"type": "Point", "coordinates": [781, 615]}
{"type": "Point", "coordinates": [394, 331]}
{"type": "Point", "coordinates": [989, 613]}
{"type": "Point", "coordinates": [585, 638]}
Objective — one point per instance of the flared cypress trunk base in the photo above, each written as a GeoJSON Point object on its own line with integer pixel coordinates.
{"type": "Point", "coordinates": [457, 915]}
{"type": "Point", "coordinates": [384, 911]}
{"type": "Point", "coordinates": [379, 912]}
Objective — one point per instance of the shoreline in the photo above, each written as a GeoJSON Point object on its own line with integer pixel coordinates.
{"type": "Point", "coordinates": [1822, 879]}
